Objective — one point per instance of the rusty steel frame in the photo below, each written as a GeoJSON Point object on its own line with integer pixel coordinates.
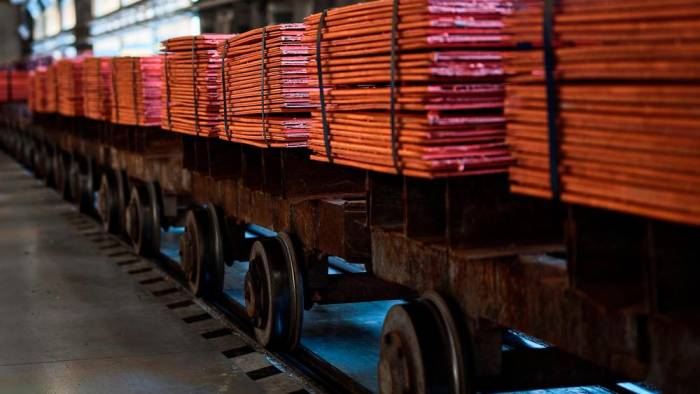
{"type": "Point", "coordinates": [323, 206]}
{"type": "Point", "coordinates": [614, 291]}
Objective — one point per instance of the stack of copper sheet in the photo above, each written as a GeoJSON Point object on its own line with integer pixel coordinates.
{"type": "Point", "coordinates": [448, 94]}
{"type": "Point", "coordinates": [267, 93]}
{"type": "Point", "coordinates": [69, 77]}
{"type": "Point", "coordinates": [31, 97]}
{"type": "Point", "coordinates": [627, 83]}
{"type": "Point", "coordinates": [14, 85]}
{"type": "Point", "coordinates": [37, 90]}
{"type": "Point", "coordinates": [137, 90]}
{"type": "Point", "coordinates": [51, 89]}
{"type": "Point", "coordinates": [192, 84]}
{"type": "Point", "coordinates": [97, 78]}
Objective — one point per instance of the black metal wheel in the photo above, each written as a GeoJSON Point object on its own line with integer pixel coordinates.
{"type": "Point", "coordinates": [274, 292]}
{"type": "Point", "coordinates": [75, 179]}
{"type": "Point", "coordinates": [29, 154]}
{"type": "Point", "coordinates": [48, 160]}
{"type": "Point", "coordinates": [112, 201]}
{"type": "Point", "coordinates": [193, 249]}
{"type": "Point", "coordinates": [32, 155]}
{"type": "Point", "coordinates": [421, 350]}
{"type": "Point", "coordinates": [24, 150]}
{"type": "Point", "coordinates": [88, 186]}
{"type": "Point", "coordinates": [219, 235]}
{"type": "Point", "coordinates": [39, 161]}
{"type": "Point", "coordinates": [202, 249]}
{"type": "Point", "coordinates": [143, 219]}
{"type": "Point", "coordinates": [61, 170]}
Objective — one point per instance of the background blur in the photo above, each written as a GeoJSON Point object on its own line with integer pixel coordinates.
{"type": "Point", "coordinates": [61, 28]}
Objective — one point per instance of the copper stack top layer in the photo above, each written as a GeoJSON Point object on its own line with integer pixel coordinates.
{"type": "Point", "coordinates": [137, 90]}
{"type": "Point", "coordinates": [192, 84]}
{"type": "Point", "coordinates": [14, 85]}
{"type": "Point", "coordinates": [627, 82]}
{"type": "Point", "coordinates": [52, 89]}
{"type": "Point", "coordinates": [69, 77]}
{"type": "Point", "coordinates": [97, 78]}
{"type": "Point", "coordinates": [448, 95]}
{"type": "Point", "coordinates": [266, 87]}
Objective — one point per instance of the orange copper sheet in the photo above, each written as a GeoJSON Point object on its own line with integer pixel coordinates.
{"type": "Point", "coordinates": [51, 89]}
{"type": "Point", "coordinates": [274, 83]}
{"type": "Point", "coordinates": [14, 85]}
{"type": "Point", "coordinates": [137, 90]}
{"type": "Point", "coordinates": [97, 88]}
{"type": "Point", "coordinates": [449, 87]}
{"type": "Point", "coordinates": [628, 81]}
{"type": "Point", "coordinates": [191, 94]}
{"type": "Point", "coordinates": [69, 84]}
{"type": "Point", "coordinates": [37, 90]}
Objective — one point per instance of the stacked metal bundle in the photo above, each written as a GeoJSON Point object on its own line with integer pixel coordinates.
{"type": "Point", "coordinates": [38, 86]}
{"type": "Point", "coordinates": [97, 78]}
{"type": "Point", "coordinates": [410, 86]}
{"type": "Point", "coordinates": [192, 84]}
{"type": "Point", "coordinates": [266, 87]}
{"type": "Point", "coordinates": [31, 98]}
{"type": "Point", "coordinates": [615, 112]}
{"type": "Point", "coordinates": [69, 80]}
{"type": "Point", "coordinates": [14, 85]}
{"type": "Point", "coordinates": [136, 85]}
{"type": "Point", "coordinates": [51, 89]}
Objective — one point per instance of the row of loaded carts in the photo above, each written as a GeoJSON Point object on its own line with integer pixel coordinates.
{"type": "Point", "coordinates": [588, 102]}
{"type": "Point", "coordinates": [529, 165]}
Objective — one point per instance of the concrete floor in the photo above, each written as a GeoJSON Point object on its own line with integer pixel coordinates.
{"type": "Point", "coordinates": [73, 321]}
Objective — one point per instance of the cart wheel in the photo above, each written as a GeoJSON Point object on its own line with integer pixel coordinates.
{"type": "Point", "coordinates": [61, 169]}
{"type": "Point", "coordinates": [421, 350]}
{"type": "Point", "coordinates": [274, 292]}
{"type": "Point", "coordinates": [202, 250]}
{"type": "Point", "coordinates": [143, 219]}
{"type": "Point", "coordinates": [30, 149]}
{"type": "Point", "coordinates": [88, 184]}
{"type": "Point", "coordinates": [24, 151]}
{"type": "Point", "coordinates": [111, 201]}
{"type": "Point", "coordinates": [78, 184]}
{"type": "Point", "coordinates": [39, 162]}
{"type": "Point", "coordinates": [219, 236]}
{"type": "Point", "coordinates": [193, 247]}
{"type": "Point", "coordinates": [49, 169]}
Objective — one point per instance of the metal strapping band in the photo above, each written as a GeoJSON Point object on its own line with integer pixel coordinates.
{"type": "Point", "coordinates": [321, 88]}
{"type": "Point", "coordinates": [55, 86]}
{"type": "Point", "coordinates": [133, 88]}
{"type": "Point", "coordinates": [115, 93]}
{"type": "Point", "coordinates": [100, 101]}
{"type": "Point", "coordinates": [195, 92]}
{"type": "Point", "coordinates": [392, 89]}
{"type": "Point", "coordinates": [224, 90]}
{"type": "Point", "coordinates": [167, 92]}
{"type": "Point", "coordinates": [552, 97]}
{"type": "Point", "coordinates": [262, 86]}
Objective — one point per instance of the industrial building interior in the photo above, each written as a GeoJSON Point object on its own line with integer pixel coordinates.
{"type": "Point", "coordinates": [347, 196]}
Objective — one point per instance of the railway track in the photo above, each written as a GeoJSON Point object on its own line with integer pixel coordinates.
{"type": "Point", "coordinates": [164, 277]}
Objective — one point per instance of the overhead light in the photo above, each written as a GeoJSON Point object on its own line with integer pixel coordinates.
{"type": "Point", "coordinates": [23, 31]}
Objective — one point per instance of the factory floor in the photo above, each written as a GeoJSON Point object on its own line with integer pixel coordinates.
{"type": "Point", "coordinates": [80, 314]}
